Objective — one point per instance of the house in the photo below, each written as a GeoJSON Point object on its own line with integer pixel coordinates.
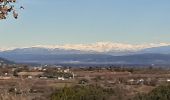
{"type": "Point", "coordinates": [38, 68]}
{"type": "Point", "coordinates": [43, 77]}
{"type": "Point", "coordinates": [66, 70]}
{"type": "Point", "coordinates": [30, 77]}
{"type": "Point", "coordinates": [140, 81]}
{"type": "Point", "coordinates": [168, 80]}
{"type": "Point", "coordinates": [61, 78]}
{"type": "Point", "coordinates": [131, 81]}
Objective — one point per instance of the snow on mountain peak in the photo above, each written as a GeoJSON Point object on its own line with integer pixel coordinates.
{"type": "Point", "coordinates": [97, 47]}
{"type": "Point", "coordinates": [104, 46]}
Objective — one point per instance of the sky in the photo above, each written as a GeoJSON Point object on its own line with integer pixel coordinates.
{"type": "Point", "coordinates": [50, 22]}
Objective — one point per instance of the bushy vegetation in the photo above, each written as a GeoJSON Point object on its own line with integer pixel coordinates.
{"type": "Point", "coordinates": [54, 74]}
{"type": "Point", "coordinates": [83, 93]}
{"type": "Point", "coordinates": [99, 93]}
{"type": "Point", "coordinates": [159, 93]}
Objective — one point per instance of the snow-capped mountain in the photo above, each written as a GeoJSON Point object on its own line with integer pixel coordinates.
{"type": "Point", "coordinates": [104, 46]}
{"type": "Point", "coordinates": [95, 47]}
{"type": "Point", "coordinates": [107, 52]}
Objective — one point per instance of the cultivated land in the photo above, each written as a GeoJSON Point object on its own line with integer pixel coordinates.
{"type": "Point", "coordinates": [22, 82]}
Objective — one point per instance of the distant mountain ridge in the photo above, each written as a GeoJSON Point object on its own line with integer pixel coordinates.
{"type": "Point", "coordinates": [90, 59]}
{"type": "Point", "coordinates": [5, 61]}
{"type": "Point", "coordinates": [159, 50]}
{"type": "Point", "coordinates": [113, 51]}
{"type": "Point", "coordinates": [41, 55]}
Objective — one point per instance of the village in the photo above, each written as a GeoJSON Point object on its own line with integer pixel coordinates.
{"type": "Point", "coordinates": [40, 81]}
{"type": "Point", "coordinates": [114, 75]}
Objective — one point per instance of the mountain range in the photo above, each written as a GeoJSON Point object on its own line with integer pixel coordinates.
{"type": "Point", "coordinates": [99, 53]}
{"type": "Point", "coordinates": [5, 61]}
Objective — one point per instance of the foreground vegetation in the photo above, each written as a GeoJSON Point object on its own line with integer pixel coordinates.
{"type": "Point", "coordinates": [159, 93]}
{"type": "Point", "coordinates": [83, 93]}
{"type": "Point", "coordinates": [99, 93]}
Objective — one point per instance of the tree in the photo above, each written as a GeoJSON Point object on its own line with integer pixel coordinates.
{"type": "Point", "coordinates": [159, 93]}
{"type": "Point", "coordinates": [6, 7]}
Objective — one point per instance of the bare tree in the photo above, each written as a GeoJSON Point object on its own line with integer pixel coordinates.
{"type": "Point", "coordinates": [6, 7]}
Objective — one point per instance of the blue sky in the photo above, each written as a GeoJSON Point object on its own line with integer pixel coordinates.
{"type": "Point", "coordinates": [50, 22]}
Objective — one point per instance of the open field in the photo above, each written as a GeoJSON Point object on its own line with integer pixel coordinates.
{"type": "Point", "coordinates": [28, 83]}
